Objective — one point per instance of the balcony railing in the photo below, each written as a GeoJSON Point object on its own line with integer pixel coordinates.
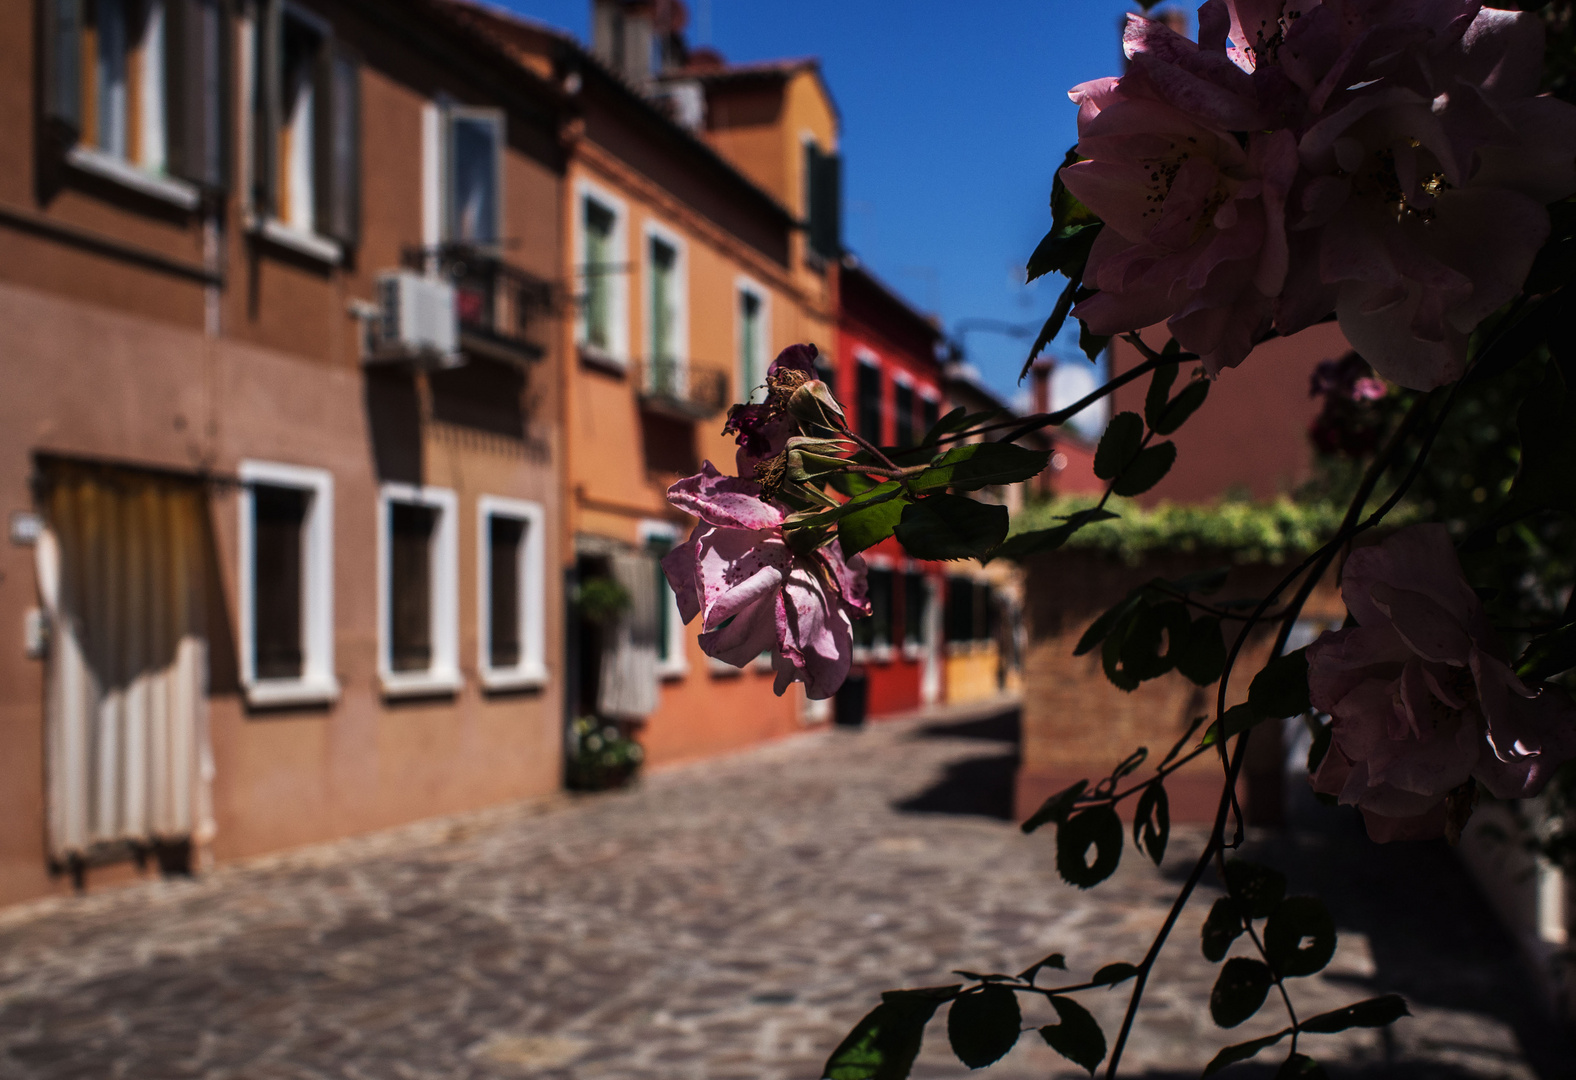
{"type": "Point", "coordinates": [504, 312]}
{"type": "Point", "coordinates": [682, 389]}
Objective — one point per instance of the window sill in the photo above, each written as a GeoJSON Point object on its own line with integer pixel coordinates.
{"type": "Point", "coordinates": [273, 693]}
{"type": "Point", "coordinates": [529, 677]}
{"type": "Point", "coordinates": [591, 356]}
{"type": "Point", "coordinates": [881, 654]}
{"type": "Point", "coordinates": [320, 248]}
{"type": "Point", "coordinates": [669, 672]}
{"type": "Point", "coordinates": [721, 670]}
{"type": "Point", "coordinates": [420, 684]}
{"type": "Point", "coordinates": [913, 652]}
{"type": "Point", "coordinates": [177, 193]}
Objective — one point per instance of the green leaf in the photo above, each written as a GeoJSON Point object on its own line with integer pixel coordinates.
{"type": "Point", "coordinates": [977, 465]}
{"type": "Point", "coordinates": [1299, 937]}
{"type": "Point", "coordinates": [1053, 323]}
{"type": "Point", "coordinates": [1281, 689]}
{"type": "Point", "coordinates": [870, 525]}
{"type": "Point", "coordinates": [1062, 249]}
{"type": "Point", "coordinates": [1077, 1037]}
{"type": "Point", "coordinates": [1114, 974]}
{"type": "Point", "coordinates": [1056, 808]}
{"type": "Point", "coordinates": [1549, 655]}
{"type": "Point", "coordinates": [1179, 408]}
{"type": "Point", "coordinates": [1301, 1067]}
{"type": "Point", "coordinates": [1201, 653]}
{"type": "Point", "coordinates": [1222, 927]}
{"type": "Point", "coordinates": [1033, 543]}
{"type": "Point", "coordinates": [1159, 392]}
{"type": "Point", "coordinates": [959, 419]}
{"type": "Point", "coordinates": [1375, 1012]}
{"type": "Point", "coordinates": [1099, 828]}
{"type": "Point", "coordinates": [983, 1025]}
{"type": "Point", "coordinates": [1259, 888]}
{"type": "Point", "coordinates": [822, 518]}
{"type": "Point", "coordinates": [885, 1043]}
{"type": "Point", "coordinates": [1107, 623]}
{"type": "Point", "coordinates": [1055, 960]}
{"type": "Point", "coordinates": [1240, 989]}
{"type": "Point", "coordinates": [1242, 1052]}
{"type": "Point", "coordinates": [1146, 470]}
{"type": "Point", "coordinates": [1237, 719]}
{"type": "Point", "coordinates": [1119, 445]}
{"type": "Point", "coordinates": [951, 527]}
{"type": "Point", "coordinates": [1152, 822]}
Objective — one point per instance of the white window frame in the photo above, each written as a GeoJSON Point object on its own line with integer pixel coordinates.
{"type": "Point", "coordinates": [676, 666]}
{"type": "Point", "coordinates": [499, 119]}
{"type": "Point", "coordinates": [531, 670]}
{"type": "Point", "coordinates": [747, 285]}
{"type": "Point", "coordinates": [443, 675]}
{"type": "Point", "coordinates": [649, 231]}
{"type": "Point", "coordinates": [317, 683]}
{"type": "Point", "coordinates": [617, 354]}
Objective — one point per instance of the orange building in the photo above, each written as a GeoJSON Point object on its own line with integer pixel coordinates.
{"type": "Point", "coordinates": [698, 245]}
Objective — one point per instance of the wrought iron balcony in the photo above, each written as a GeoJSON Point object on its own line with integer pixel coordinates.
{"type": "Point", "coordinates": [681, 389]}
{"type": "Point", "coordinates": [504, 312]}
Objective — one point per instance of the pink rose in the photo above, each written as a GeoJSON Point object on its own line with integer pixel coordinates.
{"type": "Point", "coordinates": [1421, 697]}
{"type": "Point", "coordinates": [754, 593]}
{"type": "Point", "coordinates": [1194, 217]}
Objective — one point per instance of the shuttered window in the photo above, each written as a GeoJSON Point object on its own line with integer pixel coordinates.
{"type": "Point", "coordinates": [869, 402]}
{"type": "Point", "coordinates": [929, 414]}
{"type": "Point", "coordinates": [903, 413]}
{"type": "Point", "coordinates": [823, 201]}
{"type": "Point", "coordinates": [600, 268]}
{"type": "Point", "coordinates": [512, 569]}
{"type": "Point", "coordinates": [752, 346]}
{"type": "Point", "coordinates": [916, 603]}
{"type": "Point", "coordinates": [505, 543]}
{"type": "Point", "coordinates": [418, 563]}
{"type": "Point", "coordinates": [279, 517]}
{"type": "Point", "coordinates": [410, 586]}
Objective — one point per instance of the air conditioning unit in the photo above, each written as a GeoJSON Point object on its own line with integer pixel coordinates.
{"type": "Point", "coordinates": [416, 320]}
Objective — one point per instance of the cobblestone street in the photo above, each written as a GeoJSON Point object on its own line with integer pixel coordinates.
{"type": "Point", "coordinates": [726, 920]}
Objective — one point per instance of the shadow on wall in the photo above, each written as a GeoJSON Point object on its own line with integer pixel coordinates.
{"type": "Point", "coordinates": [483, 395]}
{"type": "Point", "coordinates": [669, 446]}
{"type": "Point", "coordinates": [977, 786]}
{"type": "Point", "coordinates": [394, 422]}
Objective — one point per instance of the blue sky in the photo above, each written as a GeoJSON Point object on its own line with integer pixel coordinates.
{"type": "Point", "coordinates": [955, 116]}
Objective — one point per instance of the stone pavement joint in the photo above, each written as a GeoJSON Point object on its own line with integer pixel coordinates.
{"type": "Point", "coordinates": [725, 920]}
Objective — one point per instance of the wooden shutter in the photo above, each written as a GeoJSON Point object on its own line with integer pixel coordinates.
{"type": "Point", "coordinates": [336, 151]}
{"type": "Point", "coordinates": [826, 227]}
{"type": "Point", "coordinates": [196, 37]}
{"type": "Point", "coordinates": [266, 106]}
{"type": "Point", "coordinates": [60, 41]}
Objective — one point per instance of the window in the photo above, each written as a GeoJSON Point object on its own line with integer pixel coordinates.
{"type": "Point", "coordinates": [874, 634]}
{"type": "Point", "coordinates": [306, 133]}
{"type": "Point", "coordinates": [903, 409]}
{"type": "Point", "coordinates": [868, 401]}
{"type": "Point", "coordinates": [474, 180]}
{"type": "Point", "coordinates": [752, 344]}
{"type": "Point", "coordinates": [916, 612]}
{"type": "Point", "coordinates": [136, 87]}
{"type": "Point", "coordinates": [929, 414]}
{"type": "Point", "coordinates": [286, 584]}
{"type": "Point", "coordinates": [665, 313]}
{"type": "Point", "coordinates": [960, 610]}
{"type": "Point", "coordinates": [417, 640]}
{"type": "Point", "coordinates": [660, 538]}
{"type": "Point", "coordinates": [512, 584]}
{"type": "Point", "coordinates": [823, 201]}
{"type": "Point", "coordinates": [603, 330]}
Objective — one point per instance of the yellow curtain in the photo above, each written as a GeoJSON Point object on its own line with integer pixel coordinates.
{"type": "Point", "coordinates": [122, 569]}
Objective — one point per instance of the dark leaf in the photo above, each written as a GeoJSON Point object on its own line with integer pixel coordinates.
{"type": "Point", "coordinates": [1032, 543]}
{"type": "Point", "coordinates": [1152, 822]}
{"type": "Point", "coordinates": [1555, 264]}
{"type": "Point", "coordinates": [1299, 936]}
{"type": "Point", "coordinates": [1242, 1052]}
{"type": "Point", "coordinates": [1113, 974]}
{"type": "Point", "coordinates": [1239, 991]}
{"type": "Point", "coordinates": [1062, 249]}
{"type": "Point", "coordinates": [1146, 470]}
{"type": "Point", "coordinates": [1078, 1037]}
{"type": "Point", "coordinates": [1301, 1067]}
{"type": "Point", "coordinates": [1055, 960]}
{"type": "Point", "coordinates": [1238, 718]}
{"type": "Point", "coordinates": [959, 419]}
{"type": "Point", "coordinates": [1091, 343]}
{"type": "Point", "coordinates": [951, 527]}
{"type": "Point", "coordinates": [1222, 927]}
{"type": "Point", "coordinates": [851, 483]}
{"type": "Point", "coordinates": [1106, 623]}
{"type": "Point", "coordinates": [869, 526]}
{"type": "Point", "coordinates": [1201, 653]}
{"type": "Point", "coordinates": [1119, 445]}
{"type": "Point", "coordinates": [1130, 763]}
{"type": "Point", "coordinates": [1099, 828]}
{"type": "Point", "coordinates": [1056, 808]}
{"type": "Point", "coordinates": [1203, 582]}
{"type": "Point", "coordinates": [1375, 1012]}
{"type": "Point", "coordinates": [977, 465]}
{"type": "Point", "coordinates": [885, 1043]}
{"type": "Point", "coordinates": [1159, 392]}
{"type": "Point", "coordinates": [977, 977]}
{"type": "Point", "coordinates": [1111, 662]}
{"type": "Point", "coordinates": [1549, 655]}
{"type": "Point", "coordinates": [1281, 689]}
{"type": "Point", "coordinates": [1187, 737]}
{"type": "Point", "coordinates": [878, 494]}
{"type": "Point", "coordinates": [1319, 746]}
{"type": "Point", "coordinates": [1139, 652]}
{"type": "Point", "coordinates": [1181, 407]}
{"type": "Point", "coordinates": [1053, 323]}
{"type": "Point", "coordinates": [983, 1025]}
{"type": "Point", "coordinates": [1258, 887]}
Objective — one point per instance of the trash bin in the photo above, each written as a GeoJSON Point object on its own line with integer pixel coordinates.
{"type": "Point", "coordinates": [853, 696]}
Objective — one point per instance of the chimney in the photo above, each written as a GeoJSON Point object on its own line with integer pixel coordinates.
{"type": "Point", "coordinates": [621, 37]}
{"type": "Point", "coordinates": [1040, 384]}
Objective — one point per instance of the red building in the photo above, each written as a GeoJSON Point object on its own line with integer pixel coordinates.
{"type": "Point", "coordinates": [887, 373]}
